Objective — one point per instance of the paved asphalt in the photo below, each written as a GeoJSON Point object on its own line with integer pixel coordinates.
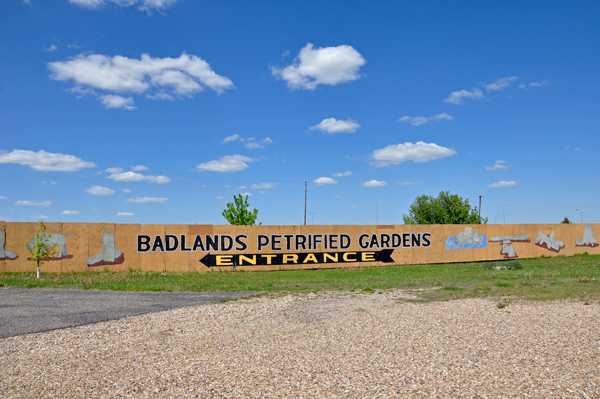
{"type": "Point", "coordinates": [25, 311]}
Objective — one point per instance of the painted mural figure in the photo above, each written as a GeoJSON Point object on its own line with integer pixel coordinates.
{"type": "Point", "coordinates": [544, 241]}
{"type": "Point", "coordinates": [588, 239]}
{"type": "Point", "coordinates": [5, 253]}
{"type": "Point", "coordinates": [466, 239]}
{"type": "Point", "coordinates": [110, 255]}
{"type": "Point", "coordinates": [507, 249]}
{"type": "Point", "coordinates": [57, 240]}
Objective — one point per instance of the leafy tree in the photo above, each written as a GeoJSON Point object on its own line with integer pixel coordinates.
{"type": "Point", "coordinates": [566, 220]}
{"type": "Point", "coordinates": [237, 213]}
{"type": "Point", "coordinates": [39, 248]}
{"type": "Point", "coordinates": [443, 209]}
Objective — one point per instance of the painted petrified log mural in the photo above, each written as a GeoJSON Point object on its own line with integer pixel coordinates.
{"type": "Point", "coordinates": [99, 246]}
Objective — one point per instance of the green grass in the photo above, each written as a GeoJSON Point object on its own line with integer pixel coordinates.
{"type": "Point", "coordinates": [576, 277]}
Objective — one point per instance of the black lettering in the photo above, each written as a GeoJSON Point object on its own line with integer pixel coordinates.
{"type": "Point", "coordinates": [158, 244]}
{"type": "Point", "coordinates": [310, 241]}
{"type": "Point", "coordinates": [396, 240]}
{"type": "Point", "coordinates": [183, 247]}
{"type": "Point", "coordinates": [325, 241]}
{"type": "Point", "coordinates": [374, 243]}
{"type": "Point", "coordinates": [345, 244]}
{"type": "Point", "coordinates": [360, 241]}
{"type": "Point", "coordinates": [242, 246]}
{"type": "Point", "coordinates": [143, 243]}
{"type": "Point", "coordinates": [212, 242]}
{"type": "Point", "coordinates": [317, 239]}
{"type": "Point", "coordinates": [288, 241]}
{"type": "Point", "coordinates": [385, 241]}
{"type": "Point", "coordinates": [333, 240]}
{"type": "Point", "coordinates": [226, 246]}
{"type": "Point", "coordinates": [426, 241]}
{"type": "Point", "coordinates": [263, 241]}
{"type": "Point", "coordinates": [301, 241]}
{"type": "Point", "coordinates": [406, 240]}
{"type": "Point", "coordinates": [275, 240]}
{"type": "Point", "coordinates": [168, 239]}
{"type": "Point", "coordinates": [198, 243]}
{"type": "Point", "coordinates": [416, 239]}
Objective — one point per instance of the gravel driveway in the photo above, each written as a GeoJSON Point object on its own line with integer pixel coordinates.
{"type": "Point", "coordinates": [327, 346]}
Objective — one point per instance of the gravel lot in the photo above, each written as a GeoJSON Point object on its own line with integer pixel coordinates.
{"type": "Point", "coordinates": [329, 346]}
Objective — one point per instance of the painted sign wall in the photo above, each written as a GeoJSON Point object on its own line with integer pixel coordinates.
{"type": "Point", "coordinates": [120, 247]}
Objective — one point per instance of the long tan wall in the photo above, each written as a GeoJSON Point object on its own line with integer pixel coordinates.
{"type": "Point", "coordinates": [120, 247]}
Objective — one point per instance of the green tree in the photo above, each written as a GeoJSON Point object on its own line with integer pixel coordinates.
{"type": "Point", "coordinates": [237, 213]}
{"type": "Point", "coordinates": [444, 209]}
{"type": "Point", "coordinates": [39, 248]}
{"type": "Point", "coordinates": [566, 220]}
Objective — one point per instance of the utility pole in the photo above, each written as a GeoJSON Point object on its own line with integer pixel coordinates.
{"type": "Point", "coordinates": [377, 212]}
{"type": "Point", "coordinates": [480, 206]}
{"type": "Point", "coordinates": [305, 189]}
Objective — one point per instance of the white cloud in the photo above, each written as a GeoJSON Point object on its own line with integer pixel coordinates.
{"type": "Point", "coordinates": [138, 168]}
{"type": "Point", "coordinates": [2, 197]}
{"type": "Point", "coordinates": [456, 97]}
{"type": "Point", "coordinates": [227, 163]}
{"type": "Point", "coordinates": [374, 183]}
{"type": "Point", "coordinates": [157, 77]}
{"type": "Point", "coordinates": [99, 190]}
{"type": "Point", "coordinates": [501, 83]}
{"type": "Point", "coordinates": [231, 138]}
{"type": "Point", "coordinates": [147, 199]}
{"type": "Point", "coordinates": [247, 194]}
{"type": "Point", "coordinates": [70, 213]}
{"type": "Point", "coordinates": [407, 183]}
{"type": "Point", "coordinates": [45, 161]}
{"type": "Point", "coordinates": [418, 152]}
{"type": "Point", "coordinates": [343, 174]}
{"type": "Point", "coordinates": [114, 170]}
{"type": "Point", "coordinates": [34, 203]}
{"type": "Point", "coordinates": [332, 125]}
{"type": "Point", "coordinates": [126, 190]}
{"type": "Point", "coordinates": [133, 176]}
{"type": "Point", "coordinates": [74, 45]}
{"type": "Point", "coordinates": [220, 197]}
{"type": "Point", "coordinates": [421, 120]}
{"type": "Point", "coordinates": [125, 214]}
{"type": "Point", "coordinates": [51, 49]}
{"type": "Point", "coordinates": [114, 101]}
{"type": "Point", "coordinates": [500, 165]}
{"type": "Point", "coordinates": [324, 65]}
{"type": "Point", "coordinates": [262, 186]}
{"type": "Point", "coordinates": [241, 188]}
{"type": "Point", "coordinates": [252, 143]}
{"type": "Point", "coordinates": [539, 84]}
{"type": "Point", "coordinates": [52, 182]}
{"type": "Point", "coordinates": [143, 5]}
{"type": "Point", "coordinates": [352, 207]}
{"type": "Point", "coordinates": [339, 196]}
{"type": "Point", "coordinates": [503, 184]}
{"type": "Point", "coordinates": [323, 181]}
{"type": "Point", "coordinates": [39, 217]}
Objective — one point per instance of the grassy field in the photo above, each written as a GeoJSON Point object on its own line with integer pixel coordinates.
{"type": "Point", "coordinates": [576, 277]}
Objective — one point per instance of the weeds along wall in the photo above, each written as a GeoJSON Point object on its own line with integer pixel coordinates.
{"type": "Point", "coordinates": [120, 247]}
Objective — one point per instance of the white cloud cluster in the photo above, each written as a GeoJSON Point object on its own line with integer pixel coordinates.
{"type": "Point", "coordinates": [407, 183]}
{"type": "Point", "coordinates": [332, 125]}
{"type": "Point", "coordinates": [39, 216]}
{"type": "Point", "coordinates": [500, 165]}
{"type": "Point", "coordinates": [99, 190]}
{"type": "Point", "coordinates": [159, 78]}
{"type": "Point", "coordinates": [374, 183]}
{"type": "Point", "coordinates": [534, 84]}
{"type": "Point", "coordinates": [343, 174]}
{"type": "Point", "coordinates": [139, 168]}
{"type": "Point", "coordinates": [421, 120]}
{"type": "Point", "coordinates": [323, 181]}
{"type": "Point", "coordinates": [125, 214]}
{"type": "Point", "coordinates": [132, 176]}
{"type": "Point", "coordinates": [457, 97]}
{"type": "Point", "coordinates": [143, 5]}
{"type": "Point", "coordinates": [66, 213]}
{"type": "Point", "coordinates": [262, 186]}
{"type": "Point", "coordinates": [45, 161]}
{"type": "Point", "coordinates": [418, 152]}
{"type": "Point", "coordinates": [501, 83]}
{"type": "Point", "coordinates": [51, 49]}
{"type": "Point", "coordinates": [503, 184]}
{"type": "Point", "coordinates": [34, 203]}
{"type": "Point", "coordinates": [251, 142]}
{"type": "Point", "coordinates": [324, 65]}
{"type": "Point", "coordinates": [227, 163]}
{"type": "Point", "coordinates": [140, 200]}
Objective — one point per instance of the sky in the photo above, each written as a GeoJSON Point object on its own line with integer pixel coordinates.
{"type": "Point", "coordinates": [160, 111]}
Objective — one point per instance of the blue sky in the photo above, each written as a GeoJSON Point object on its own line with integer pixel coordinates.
{"type": "Point", "coordinates": [159, 111]}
